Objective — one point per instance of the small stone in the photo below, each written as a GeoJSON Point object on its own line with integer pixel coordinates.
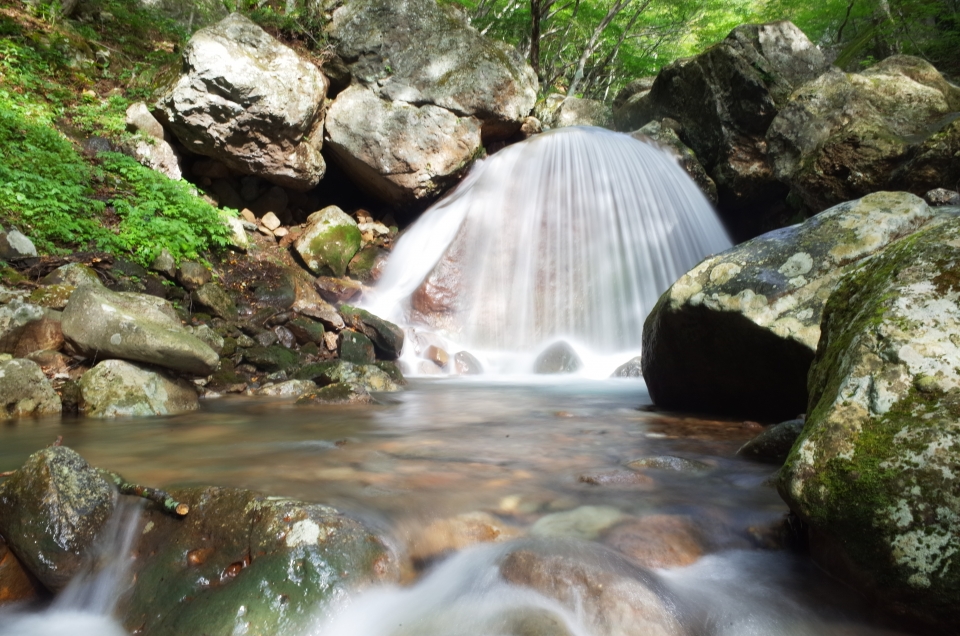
{"type": "Point", "coordinates": [270, 221]}
{"type": "Point", "coordinates": [773, 445]}
{"type": "Point", "coordinates": [558, 358]}
{"type": "Point", "coordinates": [629, 369]}
{"type": "Point", "coordinates": [25, 391]}
{"type": "Point", "coordinates": [164, 264]}
{"type": "Point", "coordinates": [288, 389]}
{"type": "Point", "coordinates": [192, 275]}
{"type": "Point", "coordinates": [337, 290]}
{"type": "Point", "coordinates": [280, 232]}
{"type": "Point", "coordinates": [216, 300]}
{"type": "Point", "coordinates": [73, 275]}
{"type": "Point", "coordinates": [285, 337]}
{"type": "Point", "coordinates": [266, 338]}
{"type": "Point", "coordinates": [437, 356]}
{"type": "Point", "coordinates": [306, 330]}
{"type": "Point", "coordinates": [616, 478]}
{"type": "Point", "coordinates": [14, 245]}
{"type": "Point", "coordinates": [942, 196]}
{"type": "Point", "coordinates": [386, 337]}
{"type": "Point", "coordinates": [247, 215]}
{"type": "Point", "coordinates": [330, 341]}
{"type": "Point", "coordinates": [658, 541]}
{"type": "Point", "coordinates": [465, 363]}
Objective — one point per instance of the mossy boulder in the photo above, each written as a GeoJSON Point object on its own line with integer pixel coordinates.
{"type": "Point", "coordinates": [386, 336]}
{"type": "Point", "coordinates": [329, 241]}
{"type": "Point", "coordinates": [736, 334]}
{"type": "Point", "coordinates": [875, 474]}
{"type": "Point", "coordinates": [25, 391]}
{"type": "Point", "coordinates": [216, 300]}
{"type": "Point", "coordinates": [243, 562]}
{"type": "Point", "coordinates": [51, 512]}
{"type": "Point", "coordinates": [892, 127]}
{"type": "Point", "coordinates": [117, 388]}
{"type": "Point", "coordinates": [271, 359]}
{"type": "Point", "coordinates": [355, 347]}
{"type": "Point", "coordinates": [368, 377]}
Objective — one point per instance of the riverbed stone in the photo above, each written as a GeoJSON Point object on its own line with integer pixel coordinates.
{"type": "Point", "coordinates": [117, 388]}
{"type": "Point", "coordinates": [658, 541]}
{"type": "Point", "coordinates": [250, 102]}
{"type": "Point", "coordinates": [894, 126]}
{"type": "Point", "coordinates": [612, 597]}
{"type": "Point", "coordinates": [385, 335]}
{"type": "Point", "coordinates": [337, 393]}
{"type": "Point", "coordinates": [874, 473]}
{"type": "Point", "coordinates": [774, 444]}
{"type": "Point", "coordinates": [399, 152]}
{"type": "Point", "coordinates": [329, 241]}
{"type": "Point", "coordinates": [100, 323]}
{"type": "Point", "coordinates": [51, 512]}
{"type": "Point", "coordinates": [25, 391]}
{"type": "Point", "coordinates": [243, 562]}
{"type": "Point", "coordinates": [736, 334]}
{"type": "Point", "coordinates": [585, 522]}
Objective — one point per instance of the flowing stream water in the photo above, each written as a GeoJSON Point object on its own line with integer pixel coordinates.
{"type": "Point", "coordinates": [445, 447]}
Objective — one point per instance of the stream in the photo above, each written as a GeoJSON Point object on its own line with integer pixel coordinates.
{"type": "Point", "coordinates": [530, 453]}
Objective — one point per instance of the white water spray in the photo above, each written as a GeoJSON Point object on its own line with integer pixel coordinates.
{"type": "Point", "coordinates": [572, 234]}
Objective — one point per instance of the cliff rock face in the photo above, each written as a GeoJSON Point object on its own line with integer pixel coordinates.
{"type": "Point", "coordinates": [895, 126]}
{"type": "Point", "coordinates": [248, 101]}
{"type": "Point", "coordinates": [874, 473]}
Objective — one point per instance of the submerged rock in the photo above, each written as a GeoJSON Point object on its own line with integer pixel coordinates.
{"type": "Point", "coordinates": [249, 102]}
{"type": "Point", "coordinates": [737, 333]}
{"type": "Point", "coordinates": [774, 444]}
{"type": "Point", "coordinates": [116, 388]}
{"type": "Point", "coordinates": [658, 541]}
{"type": "Point", "coordinates": [874, 473]}
{"type": "Point", "coordinates": [585, 522]}
{"type": "Point", "coordinates": [25, 391]}
{"type": "Point", "coordinates": [245, 562]}
{"type": "Point", "coordinates": [895, 126]}
{"type": "Point", "coordinates": [51, 511]}
{"type": "Point", "coordinates": [559, 357]}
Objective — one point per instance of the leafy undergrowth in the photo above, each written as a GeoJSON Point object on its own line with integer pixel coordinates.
{"type": "Point", "coordinates": [62, 82]}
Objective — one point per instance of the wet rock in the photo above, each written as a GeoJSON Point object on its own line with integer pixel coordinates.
{"type": "Point", "coordinates": [942, 196]}
{"type": "Point", "coordinates": [585, 522]}
{"type": "Point", "coordinates": [658, 541]}
{"type": "Point", "coordinates": [249, 102]}
{"type": "Point", "coordinates": [16, 584]}
{"type": "Point", "coordinates": [40, 335]}
{"type": "Point", "coordinates": [367, 265]}
{"type": "Point", "coordinates": [386, 336]}
{"type": "Point", "coordinates": [244, 561]}
{"type": "Point", "coordinates": [725, 100]}
{"type": "Point", "coordinates": [100, 323]}
{"type": "Point", "coordinates": [355, 347]}
{"type": "Point", "coordinates": [417, 52]}
{"type": "Point", "coordinates": [51, 511]}
{"type": "Point", "coordinates": [309, 303]}
{"type": "Point", "coordinates": [14, 318]}
{"type": "Point", "coordinates": [271, 358]}
{"type": "Point", "coordinates": [337, 290]}
{"type": "Point", "coordinates": [844, 135]}
{"type": "Point", "coordinates": [737, 333]}
{"type": "Point", "coordinates": [25, 391]}
{"type": "Point", "coordinates": [397, 151]}
{"type": "Point", "coordinates": [610, 596]}
{"type": "Point", "coordinates": [437, 356]}
{"type": "Point", "coordinates": [623, 478]}
{"type": "Point", "coordinates": [368, 377]}
{"type": "Point", "coordinates": [265, 338]}
{"type": "Point", "coordinates": [669, 462]}
{"type": "Point", "coordinates": [288, 389]}
{"type": "Point", "coordinates": [116, 388]}
{"type": "Point", "coordinates": [392, 369]}
{"type": "Point", "coordinates": [306, 330]}
{"type": "Point", "coordinates": [465, 363]}
{"type": "Point", "coordinates": [337, 393]}
{"type": "Point", "coordinates": [874, 472]}
{"type": "Point", "coordinates": [15, 245]}
{"type": "Point", "coordinates": [629, 369]}
{"type": "Point", "coordinates": [665, 134]}
{"type": "Point", "coordinates": [774, 444]}
{"type": "Point", "coordinates": [558, 358]}
{"type": "Point", "coordinates": [329, 241]}
{"type": "Point", "coordinates": [192, 275]}
{"type": "Point", "coordinates": [215, 299]}
{"type": "Point", "coordinates": [443, 536]}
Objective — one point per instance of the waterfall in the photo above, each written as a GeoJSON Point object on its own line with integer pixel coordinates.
{"type": "Point", "coordinates": [572, 234]}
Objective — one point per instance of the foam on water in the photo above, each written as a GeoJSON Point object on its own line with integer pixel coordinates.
{"type": "Point", "coordinates": [573, 234]}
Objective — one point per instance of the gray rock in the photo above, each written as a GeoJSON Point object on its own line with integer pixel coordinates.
{"type": "Point", "coordinates": [725, 99]}
{"type": "Point", "coordinates": [629, 369]}
{"type": "Point", "coordinates": [386, 336]}
{"type": "Point", "coordinates": [101, 324]}
{"type": "Point", "coordinates": [894, 126]}
{"type": "Point", "coordinates": [215, 299]}
{"type": "Point", "coordinates": [192, 275]}
{"type": "Point", "coordinates": [585, 522]}
{"type": "Point", "coordinates": [157, 155]}
{"type": "Point", "coordinates": [874, 473]}
{"type": "Point", "coordinates": [139, 120]}
{"type": "Point", "coordinates": [669, 462]}
{"type": "Point", "coordinates": [14, 318]}
{"type": "Point", "coordinates": [774, 444]}
{"type": "Point", "coordinates": [51, 512]}
{"type": "Point", "coordinates": [250, 102]}
{"type": "Point", "coordinates": [25, 391]}
{"type": "Point", "coordinates": [663, 133]}
{"type": "Point", "coordinates": [287, 389]}
{"type": "Point", "coordinates": [14, 245]}
{"type": "Point", "coordinates": [558, 358]}
{"type": "Point", "coordinates": [208, 336]}
{"type": "Point", "coordinates": [399, 152]}
{"type": "Point", "coordinates": [369, 378]}
{"type": "Point", "coordinates": [942, 196]}
{"type": "Point", "coordinates": [737, 333]}
{"type": "Point", "coordinates": [329, 241]}
{"type": "Point", "coordinates": [73, 274]}
{"type": "Point", "coordinates": [39, 335]}
{"type": "Point", "coordinates": [465, 363]}
{"type": "Point", "coordinates": [164, 264]}
{"type": "Point", "coordinates": [116, 388]}
{"type": "Point", "coordinates": [559, 111]}
{"type": "Point", "coordinates": [415, 52]}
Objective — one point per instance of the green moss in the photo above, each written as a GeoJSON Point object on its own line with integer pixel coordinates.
{"type": "Point", "coordinates": [335, 247]}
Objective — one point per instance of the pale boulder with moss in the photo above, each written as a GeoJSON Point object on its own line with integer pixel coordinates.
{"type": "Point", "coordinates": [330, 239]}
{"type": "Point", "coordinates": [875, 474]}
{"type": "Point", "coordinates": [116, 388]}
{"type": "Point", "coordinates": [737, 334]}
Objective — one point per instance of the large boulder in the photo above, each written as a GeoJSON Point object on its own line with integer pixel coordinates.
{"type": "Point", "coordinates": [102, 324]}
{"type": "Point", "coordinates": [416, 52]}
{"type": "Point", "coordinates": [724, 100]}
{"type": "Point", "coordinates": [874, 474]}
{"type": "Point", "coordinates": [116, 388]}
{"type": "Point", "coordinates": [250, 102]}
{"type": "Point", "coordinates": [25, 391]}
{"type": "Point", "coordinates": [895, 126]}
{"type": "Point", "coordinates": [51, 512]}
{"type": "Point", "coordinates": [736, 335]}
{"type": "Point", "coordinates": [242, 562]}
{"type": "Point", "coordinates": [426, 87]}
{"type": "Point", "coordinates": [397, 151]}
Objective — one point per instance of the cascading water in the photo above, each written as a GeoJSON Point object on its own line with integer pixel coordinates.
{"type": "Point", "coordinates": [572, 234]}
